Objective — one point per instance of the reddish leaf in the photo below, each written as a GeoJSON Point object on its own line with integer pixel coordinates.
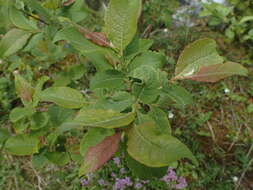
{"type": "Point", "coordinates": [98, 38]}
{"type": "Point", "coordinates": [98, 155]}
{"type": "Point", "coordinates": [23, 88]}
{"type": "Point", "coordinates": [68, 2]}
{"type": "Point", "coordinates": [214, 73]}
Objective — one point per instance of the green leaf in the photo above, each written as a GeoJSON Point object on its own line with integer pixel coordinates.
{"type": "Point", "coordinates": [153, 149]}
{"type": "Point", "coordinates": [93, 137]}
{"type": "Point", "coordinates": [22, 145]}
{"type": "Point", "coordinates": [58, 158]}
{"type": "Point", "coordinates": [33, 42]}
{"type": "Point", "coordinates": [51, 4]}
{"type": "Point", "coordinates": [20, 21]}
{"type": "Point", "coordinates": [99, 61]}
{"type": "Point", "coordinates": [59, 115]}
{"type": "Point", "coordinates": [24, 89]}
{"type": "Point", "coordinates": [121, 20]}
{"type": "Point", "coordinates": [36, 6]}
{"type": "Point", "coordinates": [176, 95]}
{"type": "Point", "coordinates": [39, 161]}
{"type": "Point", "coordinates": [78, 41]}
{"type": "Point", "coordinates": [97, 54]}
{"type": "Point", "coordinates": [136, 47]}
{"type": "Point", "coordinates": [147, 74]}
{"type": "Point", "coordinates": [120, 101]}
{"type": "Point", "coordinates": [38, 89]}
{"type": "Point", "coordinates": [72, 73]}
{"type": "Point", "coordinates": [76, 72]}
{"type": "Point", "coordinates": [77, 12]}
{"type": "Point", "coordinates": [98, 155]}
{"type": "Point", "coordinates": [4, 135]}
{"type": "Point", "coordinates": [39, 120]}
{"type": "Point", "coordinates": [111, 79]}
{"type": "Point", "coordinates": [199, 53]}
{"type": "Point", "coordinates": [20, 113]}
{"type": "Point", "coordinates": [149, 89]}
{"type": "Point", "coordinates": [63, 96]}
{"type": "Point", "coordinates": [148, 58]}
{"type": "Point", "coordinates": [161, 119]}
{"type": "Point", "coordinates": [13, 41]}
{"type": "Point", "coordinates": [214, 73]}
{"type": "Point", "coordinates": [143, 172]}
{"type": "Point", "coordinates": [104, 118]}
{"type": "Point", "coordinates": [250, 108]}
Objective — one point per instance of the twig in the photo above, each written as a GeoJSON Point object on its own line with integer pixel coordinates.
{"type": "Point", "coordinates": [235, 139]}
{"type": "Point", "coordinates": [39, 179]}
{"type": "Point", "coordinates": [212, 132]}
{"type": "Point", "coordinates": [36, 18]}
{"type": "Point", "coordinates": [243, 174]}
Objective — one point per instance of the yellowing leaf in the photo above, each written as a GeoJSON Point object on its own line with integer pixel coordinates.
{"type": "Point", "coordinates": [104, 118]}
{"type": "Point", "coordinates": [24, 89]}
{"type": "Point", "coordinates": [22, 145]}
{"type": "Point", "coordinates": [153, 149]}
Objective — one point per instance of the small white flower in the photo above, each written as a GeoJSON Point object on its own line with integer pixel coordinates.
{"type": "Point", "coordinates": [170, 115]}
{"type": "Point", "coordinates": [1, 61]}
{"type": "Point", "coordinates": [165, 30]}
{"type": "Point", "coordinates": [235, 179]}
{"type": "Point", "coordinates": [15, 72]}
{"type": "Point", "coordinates": [226, 90]}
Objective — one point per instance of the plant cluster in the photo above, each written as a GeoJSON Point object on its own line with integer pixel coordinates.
{"type": "Point", "coordinates": [124, 107]}
{"type": "Point", "coordinates": [235, 18]}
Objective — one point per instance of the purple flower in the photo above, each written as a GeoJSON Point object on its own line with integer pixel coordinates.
{"type": "Point", "coordinates": [170, 176]}
{"type": "Point", "coordinates": [116, 161]}
{"type": "Point", "coordinates": [119, 184]}
{"type": "Point", "coordinates": [84, 182]}
{"type": "Point", "coordinates": [181, 183]}
{"type": "Point", "coordinates": [138, 185]}
{"type": "Point", "coordinates": [113, 174]}
{"type": "Point", "coordinates": [122, 170]}
{"type": "Point", "coordinates": [101, 182]}
{"type": "Point", "coordinates": [122, 183]}
{"type": "Point", "coordinates": [128, 181]}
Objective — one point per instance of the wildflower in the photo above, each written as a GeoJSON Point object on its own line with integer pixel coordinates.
{"type": "Point", "coordinates": [16, 72]}
{"type": "Point", "coordinates": [170, 115]}
{"type": "Point", "coordinates": [113, 174]}
{"type": "Point", "coordinates": [181, 183]}
{"type": "Point", "coordinates": [1, 61]}
{"type": "Point", "coordinates": [119, 184]}
{"type": "Point", "coordinates": [122, 170]}
{"type": "Point", "coordinates": [116, 161]}
{"type": "Point", "coordinates": [128, 181]}
{"type": "Point", "coordinates": [101, 182]}
{"type": "Point", "coordinates": [122, 183]}
{"type": "Point", "coordinates": [226, 90]}
{"type": "Point", "coordinates": [171, 176]}
{"type": "Point", "coordinates": [165, 30]}
{"type": "Point", "coordinates": [235, 179]}
{"type": "Point", "coordinates": [138, 185]}
{"type": "Point", "coordinates": [84, 182]}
